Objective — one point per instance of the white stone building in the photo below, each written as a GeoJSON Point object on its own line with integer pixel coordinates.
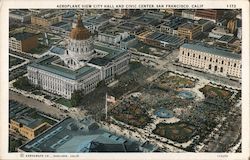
{"type": "Point", "coordinates": [79, 67]}
{"type": "Point", "coordinates": [112, 37]}
{"type": "Point", "coordinates": [211, 60]}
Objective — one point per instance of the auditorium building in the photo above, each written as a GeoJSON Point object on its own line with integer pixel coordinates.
{"type": "Point", "coordinates": [80, 66]}
{"type": "Point", "coordinates": [210, 59]}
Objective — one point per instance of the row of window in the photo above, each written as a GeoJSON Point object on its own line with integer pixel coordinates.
{"type": "Point", "coordinates": [217, 68]}
{"type": "Point", "coordinates": [211, 59]}
{"type": "Point", "coordinates": [85, 49]}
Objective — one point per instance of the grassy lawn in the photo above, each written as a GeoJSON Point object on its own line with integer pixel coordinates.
{"type": "Point", "coordinates": [24, 84]}
{"type": "Point", "coordinates": [180, 132]}
{"type": "Point", "coordinates": [64, 102]}
{"type": "Point", "coordinates": [211, 91]}
{"type": "Point", "coordinates": [174, 82]}
{"type": "Point", "coordinates": [131, 112]}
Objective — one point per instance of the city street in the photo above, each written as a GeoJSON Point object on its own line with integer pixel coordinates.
{"type": "Point", "coordinates": [40, 106]}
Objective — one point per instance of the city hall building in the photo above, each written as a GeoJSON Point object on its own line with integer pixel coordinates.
{"type": "Point", "coordinates": [210, 59]}
{"type": "Point", "coordinates": [81, 66]}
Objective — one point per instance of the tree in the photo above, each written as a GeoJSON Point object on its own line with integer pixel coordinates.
{"type": "Point", "coordinates": [101, 84]}
{"type": "Point", "coordinates": [76, 97]}
{"type": "Point", "coordinates": [23, 84]}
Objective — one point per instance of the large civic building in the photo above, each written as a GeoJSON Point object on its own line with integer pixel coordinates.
{"type": "Point", "coordinates": [73, 136]}
{"type": "Point", "coordinates": [81, 66]}
{"type": "Point", "coordinates": [211, 59]}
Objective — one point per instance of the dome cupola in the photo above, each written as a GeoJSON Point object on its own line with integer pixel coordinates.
{"type": "Point", "coordinates": [80, 32]}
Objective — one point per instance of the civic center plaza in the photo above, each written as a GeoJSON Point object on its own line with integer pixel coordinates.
{"type": "Point", "coordinates": [79, 67]}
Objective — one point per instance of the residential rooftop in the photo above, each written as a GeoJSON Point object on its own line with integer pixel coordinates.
{"type": "Point", "coordinates": [212, 50]}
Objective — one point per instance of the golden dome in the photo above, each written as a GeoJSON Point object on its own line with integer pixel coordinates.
{"type": "Point", "coordinates": [80, 32]}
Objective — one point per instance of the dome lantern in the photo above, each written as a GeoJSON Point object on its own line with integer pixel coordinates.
{"type": "Point", "coordinates": [80, 32]}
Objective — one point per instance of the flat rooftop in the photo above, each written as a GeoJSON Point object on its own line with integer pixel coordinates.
{"type": "Point", "coordinates": [144, 20]}
{"type": "Point", "coordinates": [112, 31]}
{"type": "Point", "coordinates": [226, 38]}
{"type": "Point", "coordinates": [25, 115]}
{"type": "Point", "coordinates": [128, 38]}
{"type": "Point", "coordinates": [174, 22]}
{"type": "Point", "coordinates": [188, 25]}
{"type": "Point", "coordinates": [127, 25]}
{"type": "Point", "coordinates": [57, 50]}
{"type": "Point", "coordinates": [212, 50]}
{"type": "Point", "coordinates": [20, 12]}
{"type": "Point", "coordinates": [60, 24]}
{"type": "Point", "coordinates": [28, 121]}
{"type": "Point", "coordinates": [113, 53]}
{"type": "Point", "coordinates": [48, 14]}
{"type": "Point", "coordinates": [203, 21]}
{"type": "Point", "coordinates": [45, 63]}
{"type": "Point", "coordinates": [23, 35]}
{"type": "Point", "coordinates": [18, 109]}
{"type": "Point", "coordinates": [96, 19]}
{"type": "Point", "coordinates": [170, 39]}
{"type": "Point", "coordinates": [74, 137]}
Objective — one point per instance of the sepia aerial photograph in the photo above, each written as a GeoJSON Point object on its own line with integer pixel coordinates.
{"type": "Point", "coordinates": [125, 80]}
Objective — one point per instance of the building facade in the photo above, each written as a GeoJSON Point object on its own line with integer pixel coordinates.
{"type": "Point", "coordinates": [28, 127]}
{"type": "Point", "coordinates": [112, 37]}
{"type": "Point", "coordinates": [208, 14]}
{"type": "Point", "coordinates": [188, 14]}
{"type": "Point", "coordinates": [219, 32]}
{"type": "Point", "coordinates": [79, 67]}
{"type": "Point", "coordinates": [189, 31]}
{"type": "Point", "coordinates": [45, 20]}
{"type": "Point", "coordinates": [211, 60]}
{"type": "Point", "coordinates": [23, 42]}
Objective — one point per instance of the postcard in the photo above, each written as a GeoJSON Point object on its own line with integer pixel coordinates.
{"type": "Point", "coordinates": [125, 80]}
